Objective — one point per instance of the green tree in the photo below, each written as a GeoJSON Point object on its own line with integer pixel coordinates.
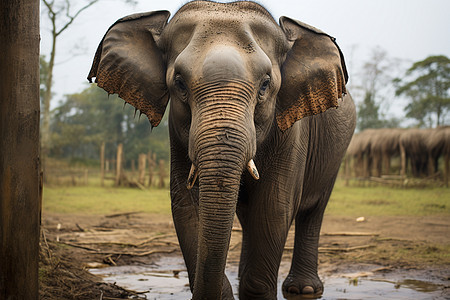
{"type": "Point", "coordinates": [61, 15]}
{"type": "Point", "coordinates": [427, 84]}
{"type": "Point", "coordinates": [369, 115]}
{"type": "Point", "coordinates": [374, 85]}
{"type": "Point", "coordinates": [86, 119]}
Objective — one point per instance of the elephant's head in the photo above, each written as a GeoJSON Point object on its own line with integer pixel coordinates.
{"type": "Point", "coordinates": [233, 76]}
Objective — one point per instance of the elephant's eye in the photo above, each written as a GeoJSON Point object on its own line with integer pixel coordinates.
{"type": "Point", "coordinates": [264, 85]}
{"type": "Point", "coordinates": [180, 84]}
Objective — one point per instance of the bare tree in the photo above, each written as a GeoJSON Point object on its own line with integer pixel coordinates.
{"type": "Point", "coordinates": [61, 15]}
{"type": "Point", "coordinates": [376, 87]}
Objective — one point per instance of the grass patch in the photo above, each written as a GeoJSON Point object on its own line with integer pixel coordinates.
{"type": "Point", "coordinates": [388, 201]}
{"type": "Point", "coordinates": [404, 253]}
{"type": "Point", "coordinates": [104, 200]}
{"type": "Point", "coordinates": [345, 201]}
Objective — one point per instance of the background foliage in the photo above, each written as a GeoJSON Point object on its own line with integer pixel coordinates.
{"type": "Point", "coordinates": [82, 121]}
{"type": "Point", "coordinates": [86, 119]}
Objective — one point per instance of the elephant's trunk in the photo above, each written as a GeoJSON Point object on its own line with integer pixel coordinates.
{"type": "Point", "coordinates": [222, 147]}
{"type": "Point", "coordinates": [218, 189]}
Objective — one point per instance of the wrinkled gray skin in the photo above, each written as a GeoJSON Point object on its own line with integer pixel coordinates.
{"type": "Point", "coordinates": [239, 85]}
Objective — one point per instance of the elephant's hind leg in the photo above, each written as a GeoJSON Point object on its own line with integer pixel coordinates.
{"type": "Point", "coordinates": [303, 277]}
{"type": "Point", "coordinates": [330, 134]}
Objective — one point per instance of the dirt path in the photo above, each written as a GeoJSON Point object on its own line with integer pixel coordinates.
{"type": "Point", "coordinates": [422, 243]}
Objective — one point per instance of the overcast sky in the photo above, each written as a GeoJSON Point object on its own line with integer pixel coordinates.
{"type": "Point", "coordinates": [407, 29]}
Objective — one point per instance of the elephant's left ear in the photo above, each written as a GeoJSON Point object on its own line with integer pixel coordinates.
{"type": "Point", "coordinates": [129, 62]}
{"type": "Point", "coordinates": [313, 75]}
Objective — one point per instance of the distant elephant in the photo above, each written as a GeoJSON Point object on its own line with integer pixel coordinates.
{"type": "Point", "coordinates": [244, 92]}
{"type": "Point", "coordinates": [372, 151]}
{"type": "Point", "coordinates": [359, 151]}
{"type": "Point", "coordinates": [384, 144]}
{"type": "Point", "coordinates": [390, 146]}
{"type": "Point", "coordinates": [354, 157]}
{"type": "Point", "coordinates": [438, 145]}
{"type": "Point", "coordinates": [414, 149]}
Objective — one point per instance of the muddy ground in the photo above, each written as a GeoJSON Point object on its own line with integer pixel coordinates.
{"type": "Point", "coordinates": [70, 244]}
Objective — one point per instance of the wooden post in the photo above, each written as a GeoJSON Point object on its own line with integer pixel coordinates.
{"type": "Point", "coordinates": [151, 165]}
{"type": "Point", "coordinates": [102, 164]}
{"type": "Point", "coordinates": [403, 160]}
{"type": "Point", "coordinates": [133, 166]}
{"type": "Point", "coordinates": [347, 169]}
{"type": "Point", "coordinates": [19, 149]}
{"type": "Point", "coordinates": [86, 176]}
{"type": "Point", "coordinates": [142, 165]}
{"type": "Point", "coordinates": [162, 174]}
{"type": "Point", "coordinates": [446, 168]}
{"type": "Point", "coordinates": [119, 164]}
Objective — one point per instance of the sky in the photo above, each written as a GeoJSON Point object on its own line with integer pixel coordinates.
{"type": "Point", "coordinates": [409, 30]}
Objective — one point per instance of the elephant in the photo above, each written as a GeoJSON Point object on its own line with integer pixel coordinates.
{"type": "Point", "coordinates": [438, 144]}
{"type": "Point", "coordinates": [372, 151]}
{"type": "Point", "coordinates": [384, 144]}
{"type": "Point", "coordinates": [389, 146]}
{"type": "Point", "coordinates": [353, 157]}
{"type": "Point", "coordinates": [359, 150]}
{"type": "Point", "coordinates": [259, 122]}
{"type": "Point", "coordinates": [414, 148]}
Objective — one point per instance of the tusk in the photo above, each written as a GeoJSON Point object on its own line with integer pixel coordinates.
{"type": "Point", "coordinates": [192, 177]}
{"type": "Point", "coordinates": [251, 167]}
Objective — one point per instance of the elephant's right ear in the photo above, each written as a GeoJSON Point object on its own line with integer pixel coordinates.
{"type": "Point", "coordinates": [313, 74]}
{"type": "Point", "coordinates": [128, 62]}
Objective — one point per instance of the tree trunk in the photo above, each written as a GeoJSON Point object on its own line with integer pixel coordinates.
{"type": "Point", "coordinates": [19, 149]}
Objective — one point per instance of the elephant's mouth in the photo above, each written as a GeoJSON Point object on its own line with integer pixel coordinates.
{"type": "Point", "coordinates": [193, 173]}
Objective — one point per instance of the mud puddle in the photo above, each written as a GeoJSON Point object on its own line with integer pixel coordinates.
{"type": "Point", "coordinates": [168, 279]}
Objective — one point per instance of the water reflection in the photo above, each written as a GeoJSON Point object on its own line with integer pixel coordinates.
{"type": "Point", "coordinates": [168, 279]}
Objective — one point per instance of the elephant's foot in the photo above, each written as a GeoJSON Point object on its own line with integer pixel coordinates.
{"type": "Point", "coordinates": [309, 285]}
{"type": "Point", "coordinates": [253, 287]}
{"type": "Point", "coordinates": [227, 291]}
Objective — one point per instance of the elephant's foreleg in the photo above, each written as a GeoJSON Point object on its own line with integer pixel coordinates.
{"type": "Point", "coordinates": [185, 218]}
{"type": "Point", "coordinates": [265, 230]}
